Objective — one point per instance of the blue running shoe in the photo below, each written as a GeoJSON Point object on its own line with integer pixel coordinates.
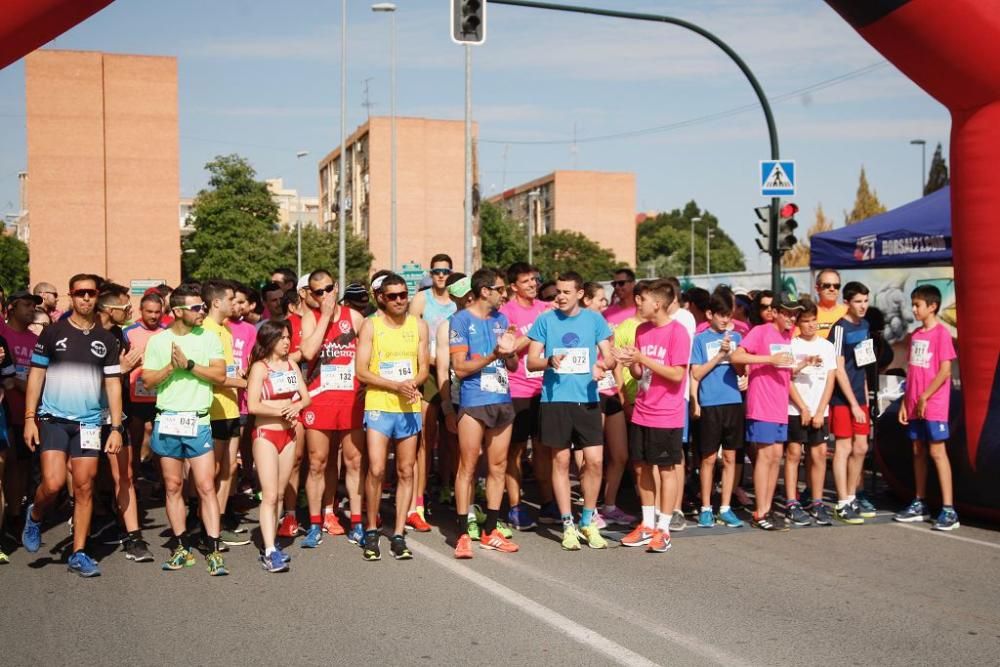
{"type": "Point", "coordinates": [549, 514]}
{"type": "Point", "coordinates": [947, 520]}
{"type": "Point", "coordinates": [285, 557]}
{"type": "Point", "coordinates": [520, 519]}
{"type": "Point", "coordinates": [706, 519]}
{"type": "Point", "coordinates": [865, 507]}
{"type": "Point", "coordinates": [274, 563]}
{"type": "Point", "coordinates": [730, 519]}
{"type": "Point", "coordinates": [83, 565]}
{"type": "Point", "coordinates": [356, 535]}
{"type": "Point", "coordinates": [914, 512]}
{"type": "Point", "coordinates": [313, 538]}
{"type": "Point", "coordinates": [31, 536]}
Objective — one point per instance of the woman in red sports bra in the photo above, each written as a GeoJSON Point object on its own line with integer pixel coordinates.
{"type": "Point", "coordinates": [276, 393]}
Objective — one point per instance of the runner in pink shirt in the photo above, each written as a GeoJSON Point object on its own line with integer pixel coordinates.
{"type": "Point", "coordinates": [623, 306]}
{"type": "Point", "coordinates": [767, 350]}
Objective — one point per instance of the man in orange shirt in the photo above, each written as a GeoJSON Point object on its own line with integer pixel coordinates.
{"type": "Point", "coordinates": [829, 309]}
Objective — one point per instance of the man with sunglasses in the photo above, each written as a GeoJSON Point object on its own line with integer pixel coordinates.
{"type": "Point", "coordinates": [829, 309]}
{"type": "Point", "coordinates": [75, 372]}
{"type": "Point", "coordinates": [623, 305]}
{"type": "Point", "coordinates": [334, 420]}
{"type": "Point", "coordinates": [182, 363]}
{"type": "Point", "coordinates": [114, 309]}
{"type": "Point", "coordinates": [393, 361]}
{"type": "Point", "coordinates": [50, 298]}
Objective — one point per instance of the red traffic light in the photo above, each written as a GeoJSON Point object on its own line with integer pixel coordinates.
{"type": "Point", "coordinates": [788, 210]}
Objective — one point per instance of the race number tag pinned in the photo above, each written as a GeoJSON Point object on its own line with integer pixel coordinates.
{"type": "Point", "coordinates": [532, 375]}
{"type": "Point", "coordinates": [90, 437]}
{"type": "Point", "coordinates": [864, 352]}
{"type": "Point", "coordinates": [779, 348]}
{"type": "Point", "coordinates": [284, 382]}
{"type": "Point", "coordinates": [576, 360]}
{"type": "Point", "coordinates": [607, 383]}
{"type": "Point", "coordinates": [183, 424]}
{"type": "Point", "coordinates": [337, 377]}
{"type": "Point", "coordinates": [142, 390]}
{"type": "Point", "coordinates": [399, 371]}
{"type": "Point", "coordinates": [495, 381]}
{"type": "Point", "coordinates": [920, 353]}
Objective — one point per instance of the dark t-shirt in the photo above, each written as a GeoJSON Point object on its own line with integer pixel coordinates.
{"type": "Point", "coordinates": [854, 343]}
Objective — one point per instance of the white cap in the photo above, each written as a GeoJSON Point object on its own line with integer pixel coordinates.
{"type": "Point", "coordinates": [303, 282]}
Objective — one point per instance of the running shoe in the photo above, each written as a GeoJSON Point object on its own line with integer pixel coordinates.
{"type": "Point", "coordinates": [570, 540]}
{"type": "Point", "coordinates": [820, 514]}
{"type": "Point", "coordinates": [592, 534]}
{"type": "Point", "coordinates": [706, 519]}
{"type": "Point", "coordinates": [947, 520]}
{"type": "Point", "coordinates": [232, 521]}
{"type": "Point", "coordinates": [31, 536]}
{"type": "Point", "coordinates": [417, 523]}
{"type": "Point", "coordinates": [137, 549]}
{"type": "Point", "coordinates": [232, 539]}
{"type": "Point", "coordinates": [797, 515]}
{"type": "Point", "coordinates": [480, 514]}
{"type": "Point", "coordinates": [464, 547]}
{"type": "Point", "coordinates": [864, 506]}
{"type": "Point", "coordinates": [313, 538]}
{"type": "Point", "coordinates": [847, 514]}
{"type": "Point", "coordinates": [730, 519]}
{"type": "Point", "coordinates": [371, 550]}
{"type": "Point", "coordinates": [284, 556]}
{"type": "Point", "coordinates": [504, 530]}
{"type": "Point", "coordinates": [495, 541]}
{"type": "Point", "coordinates": [83, 565]}
{"type": "Point", "coordinates": [398, 548]}
{"type": "Point", "coordinates": [659, 543]}
{"type": "Point", "coordinates": [473, 531]}
{"type": "Point", "coordinates": [216, 566]}
{"type": "Point", "coordinates": [289, 526]}
{"type": "Point", "coordinates": [420, 510]}
{"type": "Point", "coordinates": [549, 514]}
{"type": "Point", "coordinates": [617, 517]}
{"type": "Point", "coordinates": [767, 522]}
{"type": "Point", "coordinates": [180, 558]}
{"type": "Point", "coordinates": [639, 537]}
{"type": "Point", "coordinates": [274, 562]}
{"type": "Point", "coordinates": [677, 521]}
{"type": "Point", "coordinates": [519, 517]}
{"type": "Point", "coordinates": [4, 558]}
{"type": "Point", "coordinates": [331, 524]}
{"type": "Point", "coordinates": [914, 512]}
{"type": "Point", "coordinates": [357, 534]}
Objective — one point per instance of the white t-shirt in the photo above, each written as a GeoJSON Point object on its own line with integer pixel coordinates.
{"type": "Point", "coordinates": [684, 316]}
{"type": "Point", "coordinates": [811, 380]}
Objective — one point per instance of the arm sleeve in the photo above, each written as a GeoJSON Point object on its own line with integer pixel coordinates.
{"type": "Point", "coordinates": [213, 345]}
{"type": "Point", "coordinates": [43, 349]}
{"type": "Point", "coordinates": [539, 328]}
{"type": "Point", "coordinates": [458, 335]}
{"type": "Point", "coordinates": [112, 363]}
{"type": "Point", "coordinates": [698, 352]}
{"type": "Point", "coordinates": [601, 330]}
{"type": "Point", "coordinates": [7, 365]}
{"type": "Point", "coordinates": [156, 355]}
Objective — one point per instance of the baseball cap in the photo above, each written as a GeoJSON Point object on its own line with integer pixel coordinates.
{"type": "Point", "coordinates": [789, 301]}
{"type": "Point", "coordinates": [460, 288]}
{"type": "Point", "coordinates": [25, 294]}
{"type": "Point", "coordinates": [303, 282]}
{"type": "Point", "coordinates": [355, 292]}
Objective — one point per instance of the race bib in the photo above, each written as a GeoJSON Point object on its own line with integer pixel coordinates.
{"type": "Point", "coordinates": [231, 371]}
{"type": "Point", "coordinates": [20, 372]}
{"type": "Point", "coordinates": [575, 362]}
{"type": "Point", "coordinates": [90, 437]}
{"type": "Point", "coordinates": [494, 382]}
{"type": "Point", "coordinates": [646, 380]}
{"type": "Point", "coordinates": [712, 349]}
{"type": "Point", "coordinates": [864, 352]}
{"type": "Point", "coordinates": [396, 370]}
{"type": "Point", "coordinates": [183, 424]}
{"type": "Point", "coordinates": [781, 348]}
{"type": "Point", "coordinates": [920, 353]}
{"type": "Point", "coordinates": [532, 375]}
{"type": "Point", "coordinates": [337, 377]}
{"type": "Point", "coordinates": [141, 389]}
{"type": "Point", "coordinates": [284, 382]}
{"type": "Point", "coordinates": [607, 383]}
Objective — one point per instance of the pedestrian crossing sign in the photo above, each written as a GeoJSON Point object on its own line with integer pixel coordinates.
{"type": "Point", "coordinates": [777, 178]}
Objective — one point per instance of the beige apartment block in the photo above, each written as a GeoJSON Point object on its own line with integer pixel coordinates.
{"type": "Point", "coordinates": [103, 166]}
{"type": "Point", "coordinates": [430, 176]}
{"type": "Point", "coordinates": [600, 205]}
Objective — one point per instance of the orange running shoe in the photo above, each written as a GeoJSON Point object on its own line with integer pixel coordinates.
{"type": "Point", "coordinates": [639, 537]}
{"type": "Point", "coordinates": [289, 526]}
{"type": "Point", "coordinates": [416, 522]}
{"type": "Point", "coordinates": [497, 542]}
{"type": "Point", "coordinates": [331, 524]}
{"type": "Point", "coordinates": [660, 542]}
{"type": "Point", "coordinates": [464, 547]}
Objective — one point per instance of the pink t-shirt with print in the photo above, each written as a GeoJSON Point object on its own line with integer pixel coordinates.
{"type": "Point", "coordinates": [522, 383]}
{"type": "Point", "coordinates": [928, 350]}
{"type": "Point", "coordinates": [660, 403]}
{"type": "Point", "coordinates": [767, 395]}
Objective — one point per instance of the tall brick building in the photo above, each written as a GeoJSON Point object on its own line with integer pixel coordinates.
{"type": "Point", "coordinates": [103, 166]}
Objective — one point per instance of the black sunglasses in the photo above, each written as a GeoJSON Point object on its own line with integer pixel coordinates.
{"type": "Point", "coordinates": [322, 290]}
{"type": "Point", "coordinates": [621, 283]}
{"type": "Point", "coordinates": [81, 293]}
{"type": "Point", "coordinates": [395, 296]}
{"type": "Point", "coordinates": [441, 272]}
{"type": "Point", "coordinates": [828, 285]}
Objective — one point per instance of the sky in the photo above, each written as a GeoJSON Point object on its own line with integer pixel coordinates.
{"type": "Point", "coordinates": [647, 98]}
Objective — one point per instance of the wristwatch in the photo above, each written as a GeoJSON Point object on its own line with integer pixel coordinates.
{"type": "Point", "coordinates": [120, 428]}
{"type": "Point", "coordinates": [190, 364]}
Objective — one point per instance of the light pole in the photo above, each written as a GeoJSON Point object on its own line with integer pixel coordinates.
{"type": "Point", "coordinates": [298, 223]}
{"type": "Point", "coordinates": [709, 232]}
{"type": "Point", "coordinates": [341, 213]}
{"type": "Point", "coordinates": [923, 163]}
{"type": "Point", "coordinates": [391, 9]}
{"type": "Point", "coordinates": [693, 220]}
{"type": "Point", "coordinates": [534, 200]}
{"type": "Point", "coordinates": [468, 159]}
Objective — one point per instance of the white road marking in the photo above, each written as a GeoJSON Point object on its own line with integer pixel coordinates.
{"type": "Point", "coordinates": [579, 633]}
{"type": "Point", "coordinates": [941, 533]}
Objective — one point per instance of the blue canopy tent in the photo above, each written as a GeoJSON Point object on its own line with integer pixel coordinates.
{"type": "Point", "coordinates": [915, 234]}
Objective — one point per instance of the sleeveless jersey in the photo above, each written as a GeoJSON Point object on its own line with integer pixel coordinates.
{"type": "Point", "coordinates": [394, 356]}
{"type": "Point", "coordinates": [331, 377]}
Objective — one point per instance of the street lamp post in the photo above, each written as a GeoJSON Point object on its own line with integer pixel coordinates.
{"type": "Point", "coordinates": [391, 9]}
{"type": "Point", "coordinates": [533, 202]}
{"type": "Point", "coordinates": [923, 163]}
{"type": "Point", "coordinates": [341, 213]}
{"type": "Point", "coordinates": [693, 220]}
{"type": "Point", "coordinates": [298, 223]}
{"type": "Point", "coordinates": [709, 232]}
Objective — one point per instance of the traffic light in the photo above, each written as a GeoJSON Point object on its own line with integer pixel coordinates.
{"type": "Point", "coordinates": [468, 21]}
{"type": "Point", "coordinates": [764, 215]}
{"type": "Point", "coordinates": [786, 227]}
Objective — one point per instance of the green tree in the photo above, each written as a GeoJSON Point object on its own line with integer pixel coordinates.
{"type": "Point", "coordinates": [321, 250]}
{"type": "Point", "coordinates": [866, 202]}
{"type": "Point", "coordinates": [937, 177]}
{"type": "Point", "coordinates": [561, 251]}
{"type": "Point", "coordinates": [13, 264]}
{"type": "Point", "coordinates": [798, 256]}
{"type": "Point", "coordinates": [663, 244]}
{"type": "Point", "coordinates": [503, 240]}
{"type": "Point", "coordinates": [235, 221]}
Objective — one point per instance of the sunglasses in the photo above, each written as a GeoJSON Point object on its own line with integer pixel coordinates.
{"type": "Point", "coordinates": [194, 307]}
{"type": "Point", "coordinates": [395, 296]}
{"type": "Point", "coordinates": [322, 290]}
{"type": "Point", "coordinates": [495, 288]}
{"type": "Point", "coordinates": [441, 272]}
{"type": "Point", "coordinates": [52, 293]}
{"type": "Point", "coordinates": [81, 293]}
{"type": "Point", "coordinates": [829, 285]}
{"type": "Point", "coordinates": [126, 307]}
{"type": "Point", "coordinates": [621, 283]}
{"type": "Point", "coordinates": [767, 306]}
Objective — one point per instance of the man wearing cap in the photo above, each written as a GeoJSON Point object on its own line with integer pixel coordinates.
{"type": "Point", "coordinates": [829, 308]}
{"type": "Point", "coordinates": [356, 298]}
{"type": "Point", "coordinates": [20, 341]}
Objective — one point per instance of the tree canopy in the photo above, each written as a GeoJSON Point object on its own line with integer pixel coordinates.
{"type": "Point", "coordinates": [663, 244]}
{"type": "Point", "coordinates": [866, 202]}
{"type": "Point", "coordinates": [937, 177]}
{"type": "Point", "coordinates": [13, 264]}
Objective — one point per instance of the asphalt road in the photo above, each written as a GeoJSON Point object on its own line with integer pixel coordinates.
{"type": "Point", "coordinates": [881, 594]}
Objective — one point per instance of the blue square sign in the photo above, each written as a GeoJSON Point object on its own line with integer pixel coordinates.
{"type": "Point", "coordinates": [777, 178]}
